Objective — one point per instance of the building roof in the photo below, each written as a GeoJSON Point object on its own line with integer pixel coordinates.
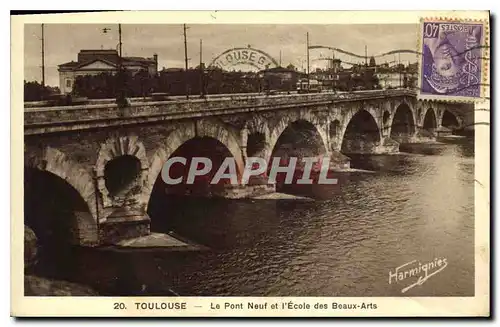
{"type": "Point", "coordinates": [139, 59]}
{"type": "Point", "coordinates": [278, 70]}
{"type": "Point", "coordinates": [70, 64]}
{"type": "Point", "coordinates": [172, 69]}
{"type": "Point", "coordinates": [110, 57]}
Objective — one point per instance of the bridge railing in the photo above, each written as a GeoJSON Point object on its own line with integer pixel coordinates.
{"type": "Point", "coordinates": [169, 98]}
{"type": "Point", "coordinates": [46, 103]}
{"type": "Point", "coordinates": [151, 110]}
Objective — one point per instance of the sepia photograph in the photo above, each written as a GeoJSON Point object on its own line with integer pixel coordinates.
{"type": "Point", "coordinates": [211, 159]}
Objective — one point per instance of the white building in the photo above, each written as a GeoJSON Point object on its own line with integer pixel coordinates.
{"type": "Point", "coordinates": [388, 80]}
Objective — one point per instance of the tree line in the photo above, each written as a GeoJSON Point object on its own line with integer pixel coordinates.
{"type": "Point", "coordinates": [194, 81]}
{"type": "Point", "coordinates": [178, 82]}
{"type": "Point", "coordinates": [34, 91]}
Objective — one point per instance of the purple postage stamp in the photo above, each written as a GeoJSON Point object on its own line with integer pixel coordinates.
{"type": "Point", "coordinates": [452, 58]}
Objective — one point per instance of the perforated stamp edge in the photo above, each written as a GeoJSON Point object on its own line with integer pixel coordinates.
{"type": "Point", "coordinates": [485, 61]}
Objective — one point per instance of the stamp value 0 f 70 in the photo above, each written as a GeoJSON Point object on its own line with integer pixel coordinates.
{"type": "Point", "coordinates": [452, 59]}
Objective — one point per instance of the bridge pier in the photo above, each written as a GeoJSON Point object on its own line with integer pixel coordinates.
{"type": "Point", "coordinates": [424, 141]}
{"type": "Point", "coordinates": [339, 160]}
{"type": "Point", "coordinates": [124, 224]}
{"type": "Point", "coordinates": [365, 146]}
{"type": "Point", "coordinates": [387, 145]}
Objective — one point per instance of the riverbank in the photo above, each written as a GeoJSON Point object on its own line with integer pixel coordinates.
{"type": "Point", "coordinates": [39, 286]}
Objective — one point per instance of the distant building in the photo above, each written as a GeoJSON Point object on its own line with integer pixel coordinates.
{"type": "Point", "coordinates": [390, 80]}
{"type": "Point", "coordinates": [94, 62]}
{"type": "Point", "coordinates": [397, 76]}
{"type": "Point", "coordinates": [280, 78]}
{"type": "Point", "coordinates": [331, 77]}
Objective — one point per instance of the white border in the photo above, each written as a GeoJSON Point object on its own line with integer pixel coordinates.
{"type": "Point", "coordinates": [289, 6]}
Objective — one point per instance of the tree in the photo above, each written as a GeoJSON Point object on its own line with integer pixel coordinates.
{"type": "Point", "coordinates": [140, 84]}
{"type": "Point", "coordinates": [34, 91]}
{"type": "Point", "coordinates": [100, 86]}
{"type": "Point", "coordinates": [108, 86]}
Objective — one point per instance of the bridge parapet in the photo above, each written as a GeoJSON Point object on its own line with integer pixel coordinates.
{"type": "Point", "coordinates": [53, 119]}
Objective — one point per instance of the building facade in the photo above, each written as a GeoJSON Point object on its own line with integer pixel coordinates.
{"type": "Point", "coordinates": [280, 78]}
{"type": "Point", "coordinates": [95, 62]}
{"type": "Point", "coordinates": [397, 76]}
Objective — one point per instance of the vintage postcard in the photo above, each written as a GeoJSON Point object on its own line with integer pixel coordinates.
{"type": "Point", "coordinates": [251, 164]}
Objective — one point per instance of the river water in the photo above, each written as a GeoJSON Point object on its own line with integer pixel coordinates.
{"type": "Point", "coordinates": [411, 207]}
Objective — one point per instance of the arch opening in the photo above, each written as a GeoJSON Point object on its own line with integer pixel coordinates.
{"type": "Point", "coordinates": [403, 124]}
{"type": "Point", "coordinates": [300, 139]}
{"type": "Point", "coordinates": [205, 147]}
{"type": "Point", "coordinates": [121, 174]}
{"type": "Point", "coordinates": [170, 206]}
{"type": "Point", "coordinates": [362, 134]}
{"type": "Point", "coordinates": [256, 144]}
{"type": "Point", "coordinates": [429, 126]}
{"type": "Point", "coordinates": [449, 120]}
{"type": "Point", "coordinates": [55, 211]}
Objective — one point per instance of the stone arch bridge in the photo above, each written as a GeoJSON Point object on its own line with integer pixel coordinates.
{"type": "Point", "coordinates": [100, 162]}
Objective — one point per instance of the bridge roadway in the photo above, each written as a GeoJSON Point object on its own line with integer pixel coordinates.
{"type": "Point", "coordinates": [111, 157]}
{"type": "Point", "coordinates": [105, 113]}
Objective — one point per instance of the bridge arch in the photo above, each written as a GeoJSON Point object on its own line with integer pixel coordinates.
{"type": "Point", "coordinates": [449, 120]}
{"type": "Point", "coordinates": [59, 200]}
{"type": "Point", "coordinates": [308, 123]}
{"type": "Point", "coordinates": [403, 125]}
{"type": "Point", "coordinates": [121, 171]}
{"type": "Point", "coordinates": [361, 134]}
{"type": "Point", "coordinates": [299, 139]}
{"type": "Point", "coordinates": [214, 129]}
{"type": "Point", "coordinates": [185, 132]}
{"type": "Point", "coordinates": [188, 142]}
{"type": "Point", "coordinates": [429, 122]}
{"type": "Point", "coordinates": [257, 137]}
{"type": "Point", "coordinates": [57, 163]}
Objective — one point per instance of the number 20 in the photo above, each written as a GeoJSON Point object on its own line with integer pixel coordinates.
{"type": "Point", "coordinates": [431, 30]}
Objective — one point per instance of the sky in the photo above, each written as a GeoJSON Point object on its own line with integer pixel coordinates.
{"type": "Point", "coordinates": [64, 41]}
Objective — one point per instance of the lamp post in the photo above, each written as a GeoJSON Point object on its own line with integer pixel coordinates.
{"type": "Point", "coordinates": [307, 46]}
{"type": "Point", "coordinates": [202, 72]}
{"type": "Point", "coordinates": [186, 73]}
{"type": "Point", "coordinates": [43, 57]}
{"type": "Point", "coordinates": [122, 101]}
{"type": "Point", "coordinates": [120, 97]}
